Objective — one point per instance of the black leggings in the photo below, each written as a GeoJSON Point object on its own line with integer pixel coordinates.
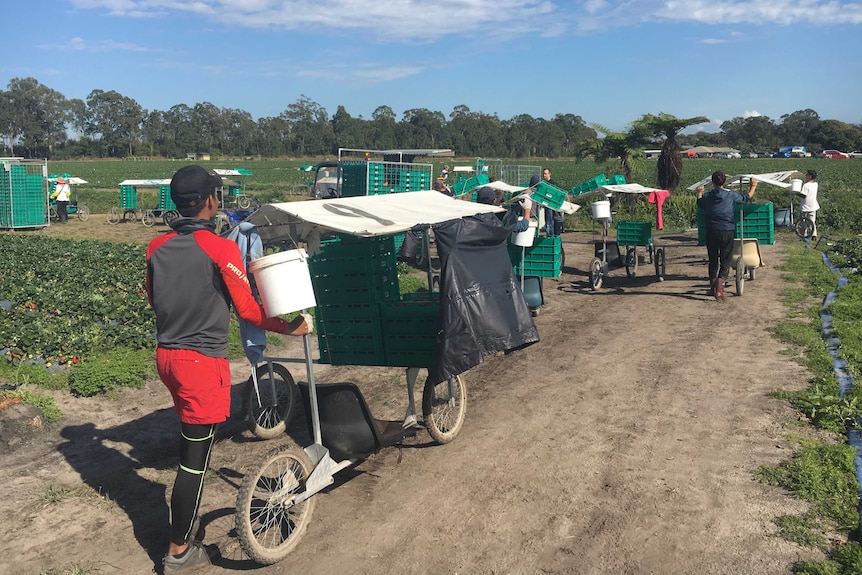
{"type": "Point", "coordinates": [719, 248]}
{"type": "Point", "coordinates": [197, 443]}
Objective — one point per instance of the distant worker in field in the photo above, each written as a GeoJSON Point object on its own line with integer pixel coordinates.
{"type": "Point", "coordinates": [554, 220]}
{"type": "Point", "coordinates": [444, 173]}
{"type": "Point", "coordinates": [718, 205]}
{"type": "Point", "coordinates": [193, 278]}
{"type": "Point", "coordinates": [809, 206]}
{"type": "Point", "coordinates": [62, 192]}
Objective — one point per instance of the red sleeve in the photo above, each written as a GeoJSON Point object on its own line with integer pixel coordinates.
{"type": "Point", "coordinates": [229, 261]}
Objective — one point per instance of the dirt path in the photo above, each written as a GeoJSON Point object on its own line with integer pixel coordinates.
{"type": "Point", "coordinates": [624, 442]}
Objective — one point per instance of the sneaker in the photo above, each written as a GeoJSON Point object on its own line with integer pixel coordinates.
{"type": "Point", "coordinates": [194, 556]}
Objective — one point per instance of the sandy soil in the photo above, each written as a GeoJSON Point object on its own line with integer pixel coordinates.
{"type": "Point", "coordinates": [624, 442]}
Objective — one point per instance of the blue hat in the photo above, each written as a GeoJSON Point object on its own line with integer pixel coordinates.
{"type": "Point", "coordinates": [486, 195]}
{"type": "Point", "coordinates": [534, 179]}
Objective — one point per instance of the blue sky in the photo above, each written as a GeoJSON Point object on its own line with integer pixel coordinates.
{"type": "Point", "coordinates": [608, 61]}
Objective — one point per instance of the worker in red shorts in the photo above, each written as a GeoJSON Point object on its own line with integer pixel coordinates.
{"type": "Point", "coordinates": [193, 277]}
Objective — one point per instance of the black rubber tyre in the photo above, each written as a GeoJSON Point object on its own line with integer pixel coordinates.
{"type": "Point", "coordinates": [268, 419]}
{"type": "Point", "coordinates": [243, 202]}
{"type": "Point", "coordinates": [740, 276]}
{"type": "Point", "coordinates": [114, 216]}
{"type": "Point", "coordinates": [170, 216]}
{"type": "Point", "coordinates": [130, 216]}
{"type": "Point", "coordinates": [596, 273]}
{"type": "Point", "coordinates": [443, 414]}
{"type": "Point", "coordinates": [659, 264]}
{"type": "Point", "coordinates": [269, 529]}
{"type": "Point", "coordinates": [148, 219]}
{"type": "Point", "coordinates": [632, 262]}
{"type": "Point", "coordinates": [83, 212]}
{"type": "Point", "coordinates": [804, 228]}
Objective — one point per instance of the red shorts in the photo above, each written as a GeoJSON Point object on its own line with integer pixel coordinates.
{"type": "Point", "coordinates": [199, 384]}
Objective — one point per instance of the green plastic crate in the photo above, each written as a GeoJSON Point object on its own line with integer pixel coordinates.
{"type": "Point", "coordinates": [128, 197]}
{"type": "Point", "coordinates": [616, 180]}
{"type": "Point", "coordinates": [590, 185]}
{"type": "Point", "coordinates": [634, 233]}
{"type": "Point", "coordinates": [549, 195]}
{"type": "Point", "coordinates": [543, 258]}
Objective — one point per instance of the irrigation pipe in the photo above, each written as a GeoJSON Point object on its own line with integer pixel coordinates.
{"type": "Point", "coordinates": [839, 368]}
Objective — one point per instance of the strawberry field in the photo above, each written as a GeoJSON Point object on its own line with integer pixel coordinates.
{"type": "Point", "coordinates": [65, 300]}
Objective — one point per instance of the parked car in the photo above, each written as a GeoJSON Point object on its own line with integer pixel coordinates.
{"type": "Point", "coordinates": [764, 154]}
{"type": "Point", "coordinates": [835, 154]}
{"type": "Point", "coordinates": [855, 154]}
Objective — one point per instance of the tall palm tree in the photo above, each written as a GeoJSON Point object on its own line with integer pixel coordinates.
{"type": "Point", "coordinates": [669, 169]}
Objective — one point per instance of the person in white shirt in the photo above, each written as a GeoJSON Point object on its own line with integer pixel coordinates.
{"type": "Point", "coordinates": [809, 205]}
{"type": "Point", "coordinates": [62, 191]}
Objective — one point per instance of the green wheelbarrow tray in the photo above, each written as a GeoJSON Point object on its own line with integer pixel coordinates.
{"type": "Point", "coordinates": [749, 249]}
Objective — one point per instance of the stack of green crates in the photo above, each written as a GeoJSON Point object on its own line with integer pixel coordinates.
{"type": "Point", "coordinates": [756, 223]}
{"type": "Point", "coordinates": [165, 201]}
{"type": "Point", "coordinates": [351, 278]}
{"type": "Point", "coordinates": [22, 197]}
{"type": "Point", "coordinates": [128, 197]}
{"type": "Point", "coordinates": [544, 258]}
{"type": "Point", "coordinates": [353, 179]}
{"type": "Point", "coordinates": [410, 328]}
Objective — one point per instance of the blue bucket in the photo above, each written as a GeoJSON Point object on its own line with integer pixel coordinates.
{"type": "Point", "coordinates": [782, 217]}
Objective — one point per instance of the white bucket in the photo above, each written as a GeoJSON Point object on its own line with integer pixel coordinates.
{"type": "Point", "coordinates": [601, 209]}
{"type": "Point", "coordinates": [525, 238]}
{"type": "Point", "coordinates": [284, 282]}
{"type": "Point", "coordinates": [795, 185]}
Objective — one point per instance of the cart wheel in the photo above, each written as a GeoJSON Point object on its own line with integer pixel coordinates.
{"type": "Point", "coordinates": [740, 276]}
{"type": "Point", "coordinates": [267, 523]}
{"type": "Point", "coordinates": [243, 202]}
{"type": "Point", "coordinates": [114, 216]}
{"type": "Point", "coordinates": [659, 264]}
{"type": "Point", "coordinates": [268, 419]}
{"type": "Point", "coordinates": [444, 408]}
{"type": "Point", "coordinates": [52, 213]}
{"type": "Point", "coordinates": [632, 262]}
{"type": "Point", "coordinates": [650, 254]}
{"type": "Point", "coordinates": [562, 259]}
{"type": "Point", "coordinates": [804, 228]}
{"type": "Point", "coordinates": [170, 216]}
{"type": "Point", "coordinates": [149, 218]}
{"type": "Point", "coordinates": [83, 212]}
{"type": "Point", "coordinates": [751, 273]}
{"type": "Point", "coordinates": [596, 272]}
{"type": "Point", "coordinates": [130, 216]}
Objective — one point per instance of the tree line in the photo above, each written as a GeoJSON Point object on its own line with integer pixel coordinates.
{"type": "Point", "coordinates": [39, 122]}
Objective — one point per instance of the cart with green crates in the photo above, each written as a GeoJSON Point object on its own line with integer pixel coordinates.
{"type": "Point", "coordinates": [372, 172]}
{"type": "Point", "coordinates": [74, 207]}
{"type": "Point", "coordinates": [130, 209]}
{"type": "Point", "coordinates": [233, 191]}
{"type": "Point", "coordinates": [23, 193]}
{"type": "Point", "coordinates": [545, 258]}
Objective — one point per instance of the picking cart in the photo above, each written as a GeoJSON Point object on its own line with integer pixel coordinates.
{"type": "Point", "coordinates": [360, 319]}
{"type": "Point", "coordinates": [75, 207]}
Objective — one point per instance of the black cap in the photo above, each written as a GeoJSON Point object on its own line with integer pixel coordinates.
{"type": "Point", "coordinates": [191, 185]}
{"type": "Point", "coordinates": [812, 173]}
{"type": "Point", "coordinates": [486, 195]}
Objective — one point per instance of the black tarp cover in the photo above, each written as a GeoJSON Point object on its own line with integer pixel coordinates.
{"type": "Point", "coordinates": [482, 309]}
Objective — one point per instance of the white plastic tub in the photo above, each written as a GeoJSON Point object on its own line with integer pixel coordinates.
{"type": "Point", "coordinates": [525, 239]}
{"type": "Point", "coordinates": [284, 282]}
{"type": "Point", "coordinates": [601, 209]}
{"type": "Point", "coordinates": [795, 185]}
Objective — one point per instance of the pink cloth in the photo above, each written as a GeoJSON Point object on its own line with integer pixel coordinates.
{"type": "Point", "coordinates": [658, 197]}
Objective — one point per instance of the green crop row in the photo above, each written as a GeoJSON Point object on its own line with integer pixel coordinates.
{"type": "Point", "coordinates": [65, 300]}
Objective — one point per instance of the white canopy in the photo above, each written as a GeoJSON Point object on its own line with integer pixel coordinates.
{"type": "Point", "coordinates": [779, 179]}
{"type": "Point", "coordinates": [73, 181]}
{"type": "Point", "coordinates": [146, 182]}
{"type": "Point", "coordinates": [364, 216]}
{"type": "Point", "coordinates": [618, 189]}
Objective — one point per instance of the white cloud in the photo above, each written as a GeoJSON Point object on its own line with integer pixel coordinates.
{"type": "Point", "coordinates": [713, 41]}
{"type": "Point", "coordinates": [78, 44]}
{"type": "Point", "coordinates": [751, 114]}
{"type": "Point", "coordinates": [420, 21]}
